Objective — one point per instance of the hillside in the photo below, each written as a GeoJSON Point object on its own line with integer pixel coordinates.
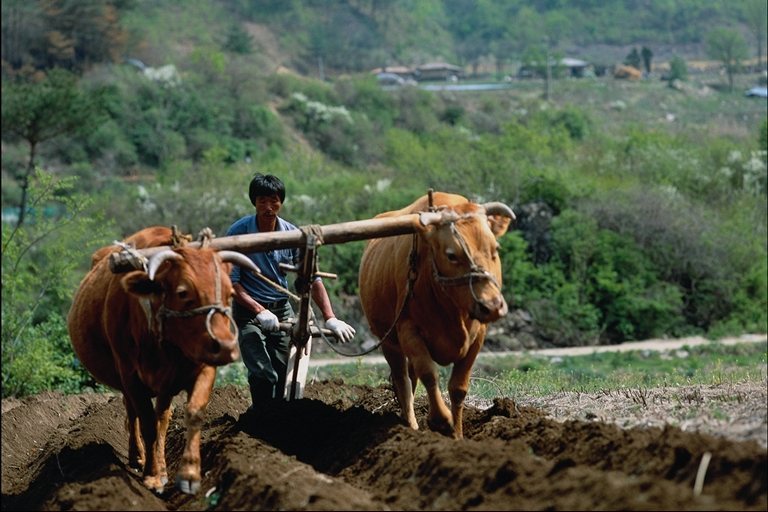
{"type": "Point", "coordinates": [491, 37]}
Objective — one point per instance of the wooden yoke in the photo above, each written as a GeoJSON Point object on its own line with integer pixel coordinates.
{"type": "Point", "coordinates": [339, 233]}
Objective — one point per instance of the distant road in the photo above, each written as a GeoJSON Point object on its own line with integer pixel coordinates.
{"type": "Point", "coordinates": [466, 87]}
{"type": "Point", "coordinates": [657, 345]}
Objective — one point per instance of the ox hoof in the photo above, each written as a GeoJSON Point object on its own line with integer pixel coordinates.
{"type": "Point", "coordinates": [442, 427]}
{"type": "Point", "coordinates": [155, 484]}
{"type": "Point", "coordinates": [187, 486]}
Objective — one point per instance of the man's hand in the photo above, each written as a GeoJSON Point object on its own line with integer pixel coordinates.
{"type": "Point", "coordinates": [268, 321]}
{"type": "Point", "coordinates": [342, 330]}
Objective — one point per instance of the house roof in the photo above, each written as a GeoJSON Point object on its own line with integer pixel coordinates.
{"type": "Point", "coordinates": [430, 66]}
{"type": "Point", "coordinates": [573, 63]}
{"type": "Point", "coordinates": [565, 61]}
{"type": "Point", "coordinates": [399, 70]}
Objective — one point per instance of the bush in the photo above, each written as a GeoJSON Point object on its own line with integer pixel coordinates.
{"type": "Point", "coordinates": [43, 361]}
{"type": "Point", "coordinates": [678, 70]}
{"type": "Point", "coordinates": [258, 122]}
{"type": "Point", "coordinates": [42, 261]}
{"type": "Point", "coordinates": [688, 245]}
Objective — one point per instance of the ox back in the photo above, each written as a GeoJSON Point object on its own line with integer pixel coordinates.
{"type": "Point", "coordinates": [429, 298]}
{"type": "Point", "coordinates": [151, 334]}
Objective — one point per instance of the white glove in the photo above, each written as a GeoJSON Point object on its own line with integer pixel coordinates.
{"type": "Point", "coordinates": [342, 330]}
{"type": "Point", "coordinates": [268, 321]}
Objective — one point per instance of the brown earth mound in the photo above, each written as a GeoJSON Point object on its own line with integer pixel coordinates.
{"type": "Point", "coordinates": [343, 448]}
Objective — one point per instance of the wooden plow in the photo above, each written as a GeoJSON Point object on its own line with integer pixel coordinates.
{"type": "Point", "coordinates": [309, 238]}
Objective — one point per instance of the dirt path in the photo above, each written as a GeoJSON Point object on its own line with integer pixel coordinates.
{"type": "Point", "coordinates": [655, 344]}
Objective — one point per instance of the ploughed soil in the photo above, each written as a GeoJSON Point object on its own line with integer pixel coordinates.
{"type": "Point", "coordinates": [343, 447]}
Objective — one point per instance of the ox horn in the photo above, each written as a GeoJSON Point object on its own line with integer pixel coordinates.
{"type": "Point", "coordinates": [239, 259]}
{"type": "Point", "coordinates": [498, 208]}
{"type": "Point", "coordinates": [158, 259]}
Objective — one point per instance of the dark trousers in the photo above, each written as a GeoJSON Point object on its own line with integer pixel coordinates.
{"type": "Point", "coordinates": [265, 354]}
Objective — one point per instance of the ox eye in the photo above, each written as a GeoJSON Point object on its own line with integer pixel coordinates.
{"type": "Point", "coordinates": [451, 255]}
{"type": "Point", "coordinates": [183, 294]}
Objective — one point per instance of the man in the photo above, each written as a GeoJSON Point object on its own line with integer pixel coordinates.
{"type": "Point", "coordinates": [259, 307]}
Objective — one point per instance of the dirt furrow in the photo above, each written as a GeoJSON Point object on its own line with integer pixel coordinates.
{"type": "Point", "coordinates": [344, 448]}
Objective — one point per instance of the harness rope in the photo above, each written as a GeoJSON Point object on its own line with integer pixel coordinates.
{"type": "Point", "coordinates": [409, 290]}
{"type": "Point", "coordinates": [130, 249]}
{"type": "Point", "coordinates": [475, 271]}
{"type": "Point", "coordinates": [205, 236]}
{"type": "Point", "coordinates": [216, 307]}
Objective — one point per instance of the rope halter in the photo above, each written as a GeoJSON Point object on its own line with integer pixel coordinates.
{"type": "Point", "coordinates": [475, 271]}
{"type": "Point", "coordinates": [209, 309]}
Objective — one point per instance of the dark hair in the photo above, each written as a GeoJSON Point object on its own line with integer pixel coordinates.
{"type": "Point", "coordinates": [266, 185]}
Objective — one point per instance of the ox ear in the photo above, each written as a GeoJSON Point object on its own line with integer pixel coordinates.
{"type": "Point", "coordinates": [499, 224]}
{"type": "Point", "coordinates": [500, 216]}
{"type": "Point", "coordinates": [138, 283]}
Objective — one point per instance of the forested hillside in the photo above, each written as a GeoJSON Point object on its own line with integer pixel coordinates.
{"type": "Point", "coordinates": [641, 203]}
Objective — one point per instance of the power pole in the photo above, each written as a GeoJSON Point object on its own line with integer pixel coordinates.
{"type": "Point", "coordinates": [548, 77]}
{"type": "Point", "coordinates": [321, 68]}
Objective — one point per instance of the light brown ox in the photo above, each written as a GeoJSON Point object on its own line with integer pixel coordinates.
{"type": "Point", "coordinates": [156, 333]}
{"type": "Point", "coordinates": [430, 296]}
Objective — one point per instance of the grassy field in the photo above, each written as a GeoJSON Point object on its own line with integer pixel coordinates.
{"type": "Point", "coordinates": [534, 375]}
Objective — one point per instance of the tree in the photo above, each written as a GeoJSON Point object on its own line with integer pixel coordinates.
{"type": "Point", "coordinates": [727, 46]}
{"type": "Point", "coordinates": [39, 111]}
{"type": "Point", "coordinates": [80, 33]}
{"type": "Point", "coordinates": [41, 264]}
{"type": "Point", "coordinates": [238, 40]}
{"type": "Point", "coordinates": [756, 16]}
{"type": "Point", "coordinates": [22, 30]}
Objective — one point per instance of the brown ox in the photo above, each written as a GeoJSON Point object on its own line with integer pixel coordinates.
{"type": "Point", "coordinates": [429, 297]}
{"type": "Point", "coordinates": [156, 333]}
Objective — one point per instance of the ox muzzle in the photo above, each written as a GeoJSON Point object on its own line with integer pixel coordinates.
{"type": "Point", "coordinates": [483, 309]}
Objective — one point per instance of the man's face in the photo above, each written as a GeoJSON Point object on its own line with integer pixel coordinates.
{"type": "Point", "coordinates": [268, 206]}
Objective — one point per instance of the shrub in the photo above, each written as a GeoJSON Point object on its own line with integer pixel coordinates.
{"type": "Point", "coordinates": [688, 244]}
{"type": "Point", "coordinates": [258, 122]}
{"type": "Point", "coordinates": [43, 361]}
{"type": "Point", "coordinates": [365, 96]}
{"type": "Point", "coordinates": [678, 70]}
{"type": "Point", "coordinates": [41, 263]}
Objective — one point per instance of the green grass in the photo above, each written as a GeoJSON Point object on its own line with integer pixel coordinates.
{"type": "Point", "coordinates": [534, 375]}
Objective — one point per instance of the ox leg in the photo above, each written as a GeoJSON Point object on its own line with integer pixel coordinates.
{"type": "Point", "coordinates": [425, 370]}
{"type": "Point", "coordinates": [142, 404]}
{"type": "Point", "coordinates": [163, 412]}
{"type": "Point", "coordinates": [458, 385]}
{"type": "Point", "coordinates": [439, 419]}
{"type": "Point", "coordinates": [188, 477]}
{"type": "Point", "coordinates": [414, 379]}
{"type": "Point", "coordinates": [402, 383]}
{"type": "Point", "coordinates": [136, 452]}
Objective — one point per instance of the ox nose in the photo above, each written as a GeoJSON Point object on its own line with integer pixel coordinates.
{"type": "Point", "coordinates": [491, 309]}
{"type": "Point", "coordinates": [225, 352]}
{"type": "Point", "coordinates": [224, 349]}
